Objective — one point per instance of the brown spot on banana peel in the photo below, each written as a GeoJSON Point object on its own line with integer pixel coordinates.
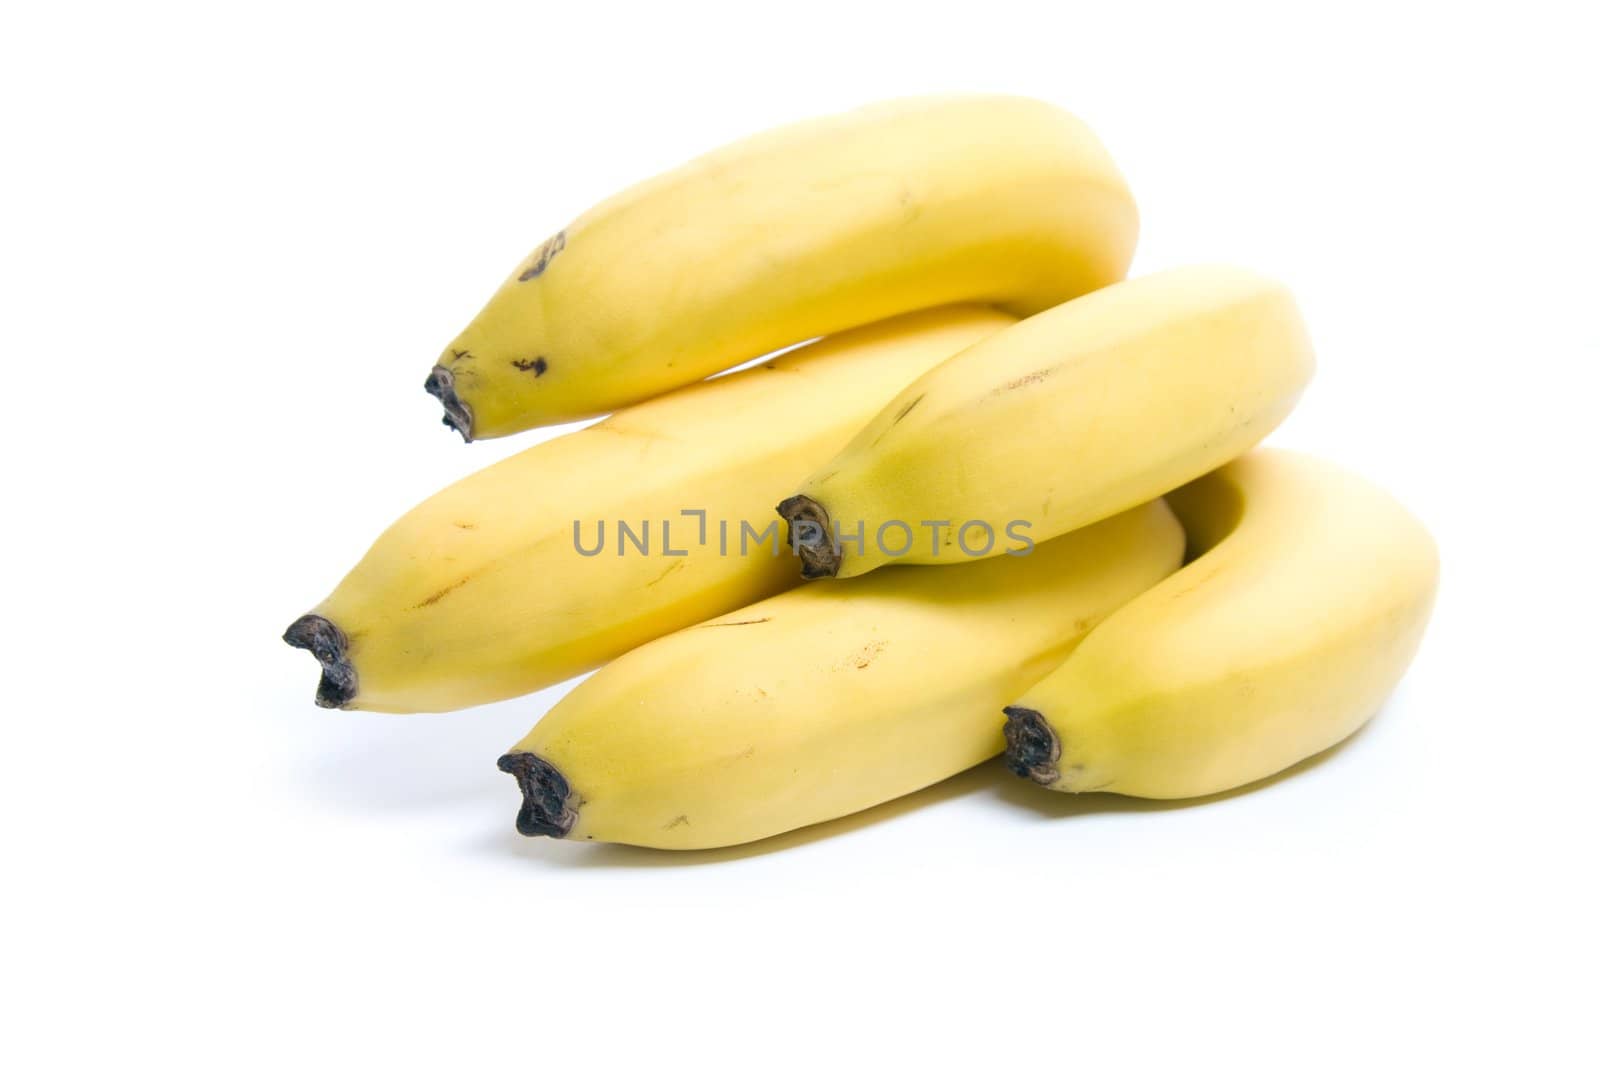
{"type": "Point", "coordinates": [863, 658]}
{"type": "Point", "coordinates": [441, 594]}
{"type": "Point", "coordinates": [903, 412]}
{"type": "Point", "coordinates": [736, 622]}
{"type": "Point", "coordinates": [549, 806]}
{"type": "Point", "coordinates": [542, 257]}
{"type": "Point", "coordinates": [672, 569]}
{"type": "Point", "coordinates": [537, 364]}
{"type": "Point", "coordinates": [324, 640]}
{"type": "Point", "coordinates": [1032, 748]}
{"type": "Point", "coordinates": [818, 559]}
{"type": "Point", "coordinates": [1032, 378]}
{"type": "Point", "coordinates": [441, 385]}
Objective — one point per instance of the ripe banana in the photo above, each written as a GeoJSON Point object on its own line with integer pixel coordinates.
{"type": "Point", "coordinates": [1061, 420]}
{"type": "Point", "coordinates": [481, 592]}
{"type": "Point", "coordinates": [797, 233]}
{"type": "Point", "coordinates": [1279, 641]}
{"type": "Point", "coordinates": [826, 699]}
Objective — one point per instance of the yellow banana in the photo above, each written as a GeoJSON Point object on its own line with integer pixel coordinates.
{"type": "Point", "coordinates": [482, 593]}
{"type": "Point", "coordinates": [823, 700]}
{"type": "Point", "coordinates": [796, 233]}
{"type": "Point", "coordinates": [1279, 641]}
{"type": "Point", "coordinates": [1065, 418]}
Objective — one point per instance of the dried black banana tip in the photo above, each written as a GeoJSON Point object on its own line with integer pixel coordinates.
{"type": "Point", "coordinates": [1032, 748]}
{"type": "Point", "coordinates": [441, 384]}
{"type": "Point", "coordinates": [549, 806]}
{"type": "Point", "coordinates": [327, 642]}
{"type": "Point", "coordinates": [811, 537]}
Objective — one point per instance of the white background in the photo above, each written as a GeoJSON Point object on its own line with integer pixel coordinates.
{"type": "Point", "coordinates": [234, 237]}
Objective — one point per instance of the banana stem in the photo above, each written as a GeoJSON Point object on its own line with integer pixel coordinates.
{"type": "Point", "coordinates": [811, 534]}
{"type": "Point", "coordinates": [327, 642]}
{"type": "Point", "coordinates": [549, 806]}
{"type": "Point", "coordinates": [441, 384]}
{"type": "Point", "coordinates": [1032, 748]}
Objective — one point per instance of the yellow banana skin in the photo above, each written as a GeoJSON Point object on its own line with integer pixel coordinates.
{"type": "Point", "coordinates": [796, 233]}
{"type": "Point", "coordinates": [478, 594]}
{"type": "Point", "coordinates": [824, 700]}
{"type": "Point", "coordinates": [1278, 642]}
{"type": "Point", "coordinates": [1069, 416]}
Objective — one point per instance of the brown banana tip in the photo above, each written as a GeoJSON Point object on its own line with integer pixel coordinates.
{"type": "Point", "coordinates": [549, 806]}
{"type": "Point", "coordinates": [328, 644]}
{"type": "Point", "coordinates": [1032, 748]}
{"type": "Point", "coordinates": [811, 537]}
{"type": "Point", "coordinates": [441, 384]}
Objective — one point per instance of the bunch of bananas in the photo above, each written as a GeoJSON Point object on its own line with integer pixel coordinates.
{"type": "Point", "coordinates": [1099, 575]}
